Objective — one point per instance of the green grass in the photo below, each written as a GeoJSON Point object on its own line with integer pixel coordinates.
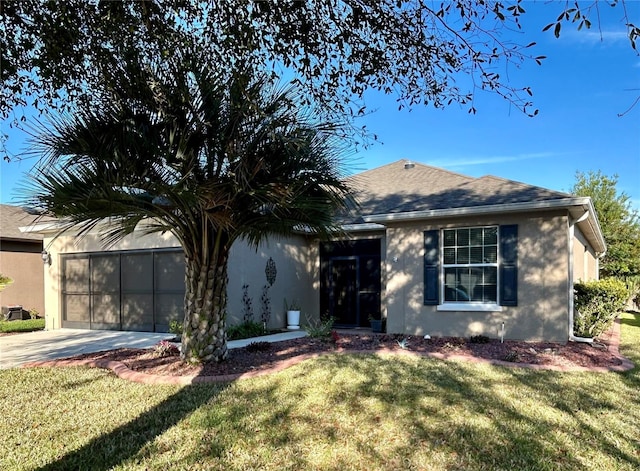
{"type": "Point", "coordinates": [28, 325]}
{"type": "Point", "coordinates": [337, 412]}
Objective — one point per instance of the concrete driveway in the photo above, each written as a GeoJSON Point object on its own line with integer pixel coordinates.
{"type": "Point", "coordinates": [15, 350]}
{"type": "Point", "coordinates": [18, 349]}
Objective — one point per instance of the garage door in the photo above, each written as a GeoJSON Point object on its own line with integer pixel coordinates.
{"type": "Point", "coordinates": [129, 290]}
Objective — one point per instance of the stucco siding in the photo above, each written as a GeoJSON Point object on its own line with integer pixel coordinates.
{"type": "Point", "coordinates": [543, 267]}
{"type": "Point", "coordinates": [246, 266]}
{"type": "Point", "coordinates": [585, 261]}
{"type": "Point", "coordinates": [22, 262]}
{"type": "Point", "coordinates": [294, 279]}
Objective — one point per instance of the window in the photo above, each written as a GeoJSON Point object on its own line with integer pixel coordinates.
{"type": "Point", "coordinates": [471, 268]}
{"type": "Point", "coordinates": [470, 264]}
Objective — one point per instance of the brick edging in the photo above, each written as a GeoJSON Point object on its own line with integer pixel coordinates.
{"type": "Point", "coordinates": [122, 371]}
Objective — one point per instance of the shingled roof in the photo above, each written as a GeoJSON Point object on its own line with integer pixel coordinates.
{"type": "Point", "coordinates": [12, 218]}
{"type": "Point", "coordinates": [404, 186]}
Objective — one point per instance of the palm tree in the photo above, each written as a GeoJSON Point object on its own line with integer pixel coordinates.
{"type": "Point", "coordinates": [207, 156]}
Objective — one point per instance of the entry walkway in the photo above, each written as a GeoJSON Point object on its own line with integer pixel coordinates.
{"type": "Point", "coordinates": [15, 350]}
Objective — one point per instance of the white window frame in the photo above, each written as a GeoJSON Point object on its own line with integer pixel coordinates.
{"type": "Point", "coordinates": [479, 306]}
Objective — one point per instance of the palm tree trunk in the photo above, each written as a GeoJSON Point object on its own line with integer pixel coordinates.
{"type": "Point", "coordinates": [204, 336]}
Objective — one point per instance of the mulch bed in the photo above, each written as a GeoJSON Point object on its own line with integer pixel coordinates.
{"type": "Point", "coordinates": [243, 360]}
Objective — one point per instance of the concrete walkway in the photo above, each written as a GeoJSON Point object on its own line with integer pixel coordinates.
{"type": "Point", "coordinates": [15, 350]}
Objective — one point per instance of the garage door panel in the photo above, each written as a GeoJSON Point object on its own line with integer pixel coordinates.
{"type": "Point", "coordinates": [169, 271]}
{"type": "Point", "coordinates": [137, 312]}
{"type": "Point", "coordinates": [137, 272]}
{"type": "Point", "coordinates": [76, 308]}
{"type": "Point", "coordinates": [76, 275]}
{"type": "Point", "coordinates": [169, 307]}
{"type": "Point", "coordinates": [106, 309]}
{"type": "Point", "coordinates": [105, 273]}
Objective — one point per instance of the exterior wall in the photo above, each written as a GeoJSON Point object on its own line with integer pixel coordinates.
{"type": "Point", "coordinates": [543, 268]}
{"type": "Point", "coordinates": [585, 261]}
{"type": "Point", "coordinates": [22, 262]}
{"type": "Point", "coordinates": [246, 265]}
{"type": "Point", "coordinates": [294, 279]}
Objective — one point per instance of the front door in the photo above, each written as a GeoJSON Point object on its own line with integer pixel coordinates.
{"type": "Point", "coordinates": [343, 290]}
{"type": "Point", "coordinates": [351, 282]}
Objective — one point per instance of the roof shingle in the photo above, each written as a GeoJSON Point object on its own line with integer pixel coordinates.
{"type": "Point", "coordinates": [404, 187]}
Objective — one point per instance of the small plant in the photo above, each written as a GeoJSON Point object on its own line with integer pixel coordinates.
{"type": "Point", "coordinates": [164, 348]}
{"type": "Point", "coordinates": [258, 347]}
{"type": "Point", "coordinates": [479, 339]}
{"type": "Point", "coordinates": [403, 343]}
{"type": "Point", "coordinates": [451, 346]}
{"type": "Point", "coordinates": [320, 329]}
{"type": "Point", "coordinates": [511, 356]}
{"type": "Point", "coordinates": [246, 330]}
{"type": "Point", "coordinates": [335, 337]}
{"type": "Point", "coordinates": [34, 314]}
{"type": "Point", "coordinates": [175, 327]}
{"type": "Point", "coordinates": [294, 306]}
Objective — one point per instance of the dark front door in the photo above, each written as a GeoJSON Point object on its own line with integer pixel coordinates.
{"type": "Point", "coordinates": [351, 283]}
{"type": "Point", "coordinates": [343, 290]}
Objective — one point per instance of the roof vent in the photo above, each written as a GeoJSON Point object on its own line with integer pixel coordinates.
{"type": "Point", "coordinates": [408, 165]}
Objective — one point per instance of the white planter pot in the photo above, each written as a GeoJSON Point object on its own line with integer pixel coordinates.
{"type": "Point", "coordinates": [293, 320]}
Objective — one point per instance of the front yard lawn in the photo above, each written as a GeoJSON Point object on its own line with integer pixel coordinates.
{"type": "Point", "coordinates": [337, 412]}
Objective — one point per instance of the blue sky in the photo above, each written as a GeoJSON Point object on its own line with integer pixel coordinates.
{"type": "Point", "coordinates": [588, 78]}
{"type": "Point", "coordinates": [580, 89]}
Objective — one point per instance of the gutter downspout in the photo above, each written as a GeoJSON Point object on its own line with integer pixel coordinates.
{"type": "Point", "coordinates": [573, 338]}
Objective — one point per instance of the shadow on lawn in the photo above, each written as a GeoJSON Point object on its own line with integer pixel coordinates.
{"type": "Point", "coordinates": [109, 450]}
{"type": "Point", "coordinates": [372, 413]}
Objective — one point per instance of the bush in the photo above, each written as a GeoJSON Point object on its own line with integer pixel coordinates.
{"type": "Point", "coordinates": [246, 330]}
{"type": "Point", "coordinates": [175, 327]}
{"type": "Point", "coordinates": [258, 347]}
{"type": "Point", "coordinates": [479, 339]}
{"type": "Point", "coordinates": [27, 325]}
{"type": "Point", "coordinates": [320, 329]}
{"type": "Point", "coordinates": [597, 304]}
{"type": "Point", "coordinates": [164, 348]}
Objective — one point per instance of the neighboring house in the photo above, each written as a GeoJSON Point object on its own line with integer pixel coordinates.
{"type": "Point", "coordinates": [21, 260]}
{"type": "Point", "coordinates": [432, 251]}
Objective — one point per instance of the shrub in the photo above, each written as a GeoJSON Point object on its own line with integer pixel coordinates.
{"type": "Point", "coordinates": [511, 356]}
{"type": "Point", "coordinates": [320, 329]}
{"type": "Point", "coordinates": [597, 304]}
{"type": "Point", "coordinates": [479, 339]}
{"type": "Point", "coordinates": [175, 327]}
{"type": "Point", "coordinates": [164, 348]}
{"type": "Point", "coordinates": [27, 325]}
{"type": "Point", "coordinates": [258, 347]}
{"type": "Point", "coordinates": [245, 330]}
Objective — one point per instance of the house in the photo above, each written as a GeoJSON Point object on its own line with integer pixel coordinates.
{"type": "Point", "coordinates": [21, 260]}
{"type": "Point", "coordinates": [432, 251]}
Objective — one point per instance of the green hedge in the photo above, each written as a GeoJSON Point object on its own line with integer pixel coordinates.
{"type": "Point", "coordinates": [27, 325]}
{"type": "Point", "coordinates": [597, 304]}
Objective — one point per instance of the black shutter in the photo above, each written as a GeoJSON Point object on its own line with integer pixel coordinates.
{"type": "Point", "coordinates": [509, 265]}
{"type": "Point", "coordinates": [431, 267]}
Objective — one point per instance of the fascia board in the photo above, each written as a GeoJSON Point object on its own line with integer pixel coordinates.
{"type": "Point", "coordinates": [563, 203]}
{"type": "Point", "coordinates": [577, 206]}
